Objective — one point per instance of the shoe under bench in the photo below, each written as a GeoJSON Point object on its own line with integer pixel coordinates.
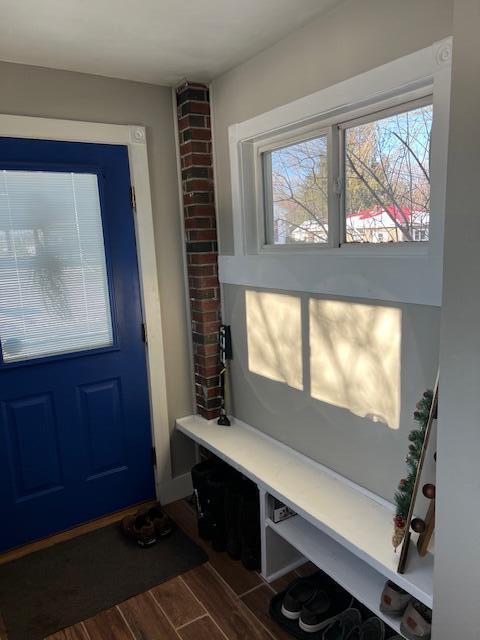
{"type": "Point", "coordinates": [341, 527]}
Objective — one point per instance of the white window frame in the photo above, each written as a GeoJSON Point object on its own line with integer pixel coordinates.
{"type": "Point", "coordinates": [409, 272]}
{"type": "Point", "coordinates": [264, 192]}
{"type": "Point", "coordinates": [335, 135]}
{"type": "Point", "coordinates": [374, 116]}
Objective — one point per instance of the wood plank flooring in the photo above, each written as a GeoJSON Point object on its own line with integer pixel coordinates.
{"type": "Point", "coordinates": [219, 600]}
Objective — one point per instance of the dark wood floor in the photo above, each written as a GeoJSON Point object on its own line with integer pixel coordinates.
{"type": "Point", "coordinates": [216, 601]}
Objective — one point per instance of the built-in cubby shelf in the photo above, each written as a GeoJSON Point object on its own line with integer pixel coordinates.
{"type": "Point", "coordinates": [361, 580]}
{"type": "Point", "coordinates": [341, 527]}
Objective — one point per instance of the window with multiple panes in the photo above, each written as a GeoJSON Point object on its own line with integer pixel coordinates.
{"type": "Point", "coordinates": [54, 296]}
{"type": "Point", "coordinates": [360, 181]}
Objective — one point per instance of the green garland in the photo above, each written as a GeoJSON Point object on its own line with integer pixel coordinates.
{"type": "Point", "coordinates": [404, 494]}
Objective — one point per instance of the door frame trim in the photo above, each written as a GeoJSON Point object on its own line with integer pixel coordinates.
{"type": "Point", "coordinates": [135, 139]}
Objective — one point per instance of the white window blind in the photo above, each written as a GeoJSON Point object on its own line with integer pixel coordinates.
{"type": "Point", "coordinates": [54, 295]}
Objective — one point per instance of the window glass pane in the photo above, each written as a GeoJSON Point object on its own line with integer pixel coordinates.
{"type": "Point", "coordinates": [387, 182]}
{"type": "Point", "coordinates": [299, 182]}
{"type": "Point", "coordinates": [53, 281]}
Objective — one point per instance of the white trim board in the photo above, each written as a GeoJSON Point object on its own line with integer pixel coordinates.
{"type": "Point", "coordinates": [134, 137]}
{"type": "Point", "coordinates": [411, 274]}
{"type": "Point", "coordinates": [176, 489]}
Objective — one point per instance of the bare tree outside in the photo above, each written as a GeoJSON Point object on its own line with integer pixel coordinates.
{"type": "Point", "coordinates": [386, 183]}
{"type": "Point", "coordinates": [299, 186]}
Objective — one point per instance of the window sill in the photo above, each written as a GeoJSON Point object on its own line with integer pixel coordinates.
{"type": "Point", "coordinates": [414, 278]}
{"type": "Point", "coordinates": [399, 250]}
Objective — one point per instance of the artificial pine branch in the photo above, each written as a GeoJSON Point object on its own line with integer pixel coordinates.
{"type": "Point", "coordinates": [403, 495]}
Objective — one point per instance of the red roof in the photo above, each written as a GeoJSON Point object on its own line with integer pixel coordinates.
{"type": "Point", "coordinates": [401, 214]}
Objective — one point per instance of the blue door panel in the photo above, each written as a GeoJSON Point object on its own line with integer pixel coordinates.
{"type": "Point", "coordinates": [102, 416]}
{"type": "Point", "coordinates": [75, 435]}
{"type": "Point", "coordinates": [32, 440]}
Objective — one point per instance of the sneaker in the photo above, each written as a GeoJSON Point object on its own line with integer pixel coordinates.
{"type": "Point", "coordinates": [394, 599]}
{"type": "Point", "coordinates": [349, 620]}
{"type": "Point", "coordinates": [371, 629]}
{"type": "Point", "coordinates": [417, 621]}
{"type": "Point", "coordinates": [139, 528]}
{"type": "Point", "coordinates": [324, 608]}
{"type": "Point", "coordinates": [300, 591]}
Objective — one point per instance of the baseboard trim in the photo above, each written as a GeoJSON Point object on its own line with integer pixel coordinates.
{"type": "Point", "coordinates": [175, 489]}
{"type": "Point", "coordinates": [281, 572]}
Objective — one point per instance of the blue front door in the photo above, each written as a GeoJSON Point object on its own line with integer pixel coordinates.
{"type": "Point", "coordinates": [75, 437]}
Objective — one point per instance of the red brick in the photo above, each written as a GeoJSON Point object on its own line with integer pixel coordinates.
{"type": "Point", "coordinates": [195, 106]}
{"type": "Point", "coordinates": [204, 305]}
{"type": "Point", "coordinates": [210, 360]}
{"type": "Point", "coordinates": [202, 234]}
{"type": "Point", "coordinates": [212, 381]}
{"type": "Point", "coordinates": [191, 121]}
{"type": "Point", "coordinates": [204, 294]}
{"type": "Point", "coordinates": [204, 282]}
{"type": "Point", "coordinates": [198, 184]}
{"type": "Point", "coordinates": [205, 394]}
{"type": "Point", "coordinates": [202, 270]}
{"type": "Point", "coordinates": [214, 392]}
{"type": "Point", "coordinates": [197, 160]}
{"type": "Point", "coordinates": [202, 258]}
{"type": "Point", "coordinates": [199, 223]}
{"type": "Point", "coordinates": [209, 316]}
{"type": "Point", "coordinates": [208, 414]}
{"type": "Point", "coordinates": [210, 327]}
{"type": "Point", "coordinates": [195, 210]}
{"type": "Point", "coordinates": [201, 238]}
{"type": "Point", "coordinates": [199, 134]}
{"type": "Point", "coordinates": [207, 372]}
{"type": "Point", "coordinates": [206, 327]}
{"type": "Point", "coordinates": [192, 146]}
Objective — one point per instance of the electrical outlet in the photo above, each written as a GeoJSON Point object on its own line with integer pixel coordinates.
{"type": "Point", "coordinates": [282, 512]}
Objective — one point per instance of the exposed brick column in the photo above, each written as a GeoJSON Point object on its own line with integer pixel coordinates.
{"type": "Point", "coordinates": [193, 110]}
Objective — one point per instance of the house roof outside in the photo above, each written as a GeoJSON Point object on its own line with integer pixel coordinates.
{"type": "Point", "coordinates": [387, 217]}
{"type": "Point", "coordinates": [375, 219]}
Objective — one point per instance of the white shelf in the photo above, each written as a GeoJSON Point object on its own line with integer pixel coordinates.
{"type": "Point", "coordinates": [361, 580]}
{"type": "Point", "coordinates": [339, 509]}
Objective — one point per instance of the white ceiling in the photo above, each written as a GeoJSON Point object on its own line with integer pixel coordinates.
{"type": "Point", "coordinates": [158, 41]}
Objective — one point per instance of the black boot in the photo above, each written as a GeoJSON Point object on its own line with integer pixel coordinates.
{"type": "Point", "coordinates": [200, 474]}
{"type": "Point", "coordinates": [232, 515]}
{"type": "Point", "coordinates": [217, 484]}
{"type": "Point", "coordinates": [250, 526]}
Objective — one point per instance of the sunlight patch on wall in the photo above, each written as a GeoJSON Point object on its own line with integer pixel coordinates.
{"type": "Point", "coordinates": [274, 335]}
{"type": "Point", "coordinates": [355, 358]}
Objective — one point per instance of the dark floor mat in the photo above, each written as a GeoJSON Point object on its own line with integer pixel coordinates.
{"type": "Point", "coordinates": [69, 582]}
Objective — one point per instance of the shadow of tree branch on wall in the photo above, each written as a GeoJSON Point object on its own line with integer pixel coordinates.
{"type": "Point", "coordinates": [351, 351]}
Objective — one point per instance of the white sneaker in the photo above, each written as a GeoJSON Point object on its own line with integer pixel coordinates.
{"type": "Point", "coordinates": [394, 599]}
{"type": "Point", "coordinates": [417, 621]}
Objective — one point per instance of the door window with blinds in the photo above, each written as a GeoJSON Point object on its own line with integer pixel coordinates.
{"type": "Point", "coordinates": [54, 295]}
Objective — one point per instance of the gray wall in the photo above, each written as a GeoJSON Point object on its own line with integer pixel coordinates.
{"type": "Point", "coordinates": [352, 38]}
{"type": "Point", "coordinates": [457, 563]}
{"type": "Point", "coordinates": [48, 93]}
{"type": "Point", "coordinates": [368, 450]}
